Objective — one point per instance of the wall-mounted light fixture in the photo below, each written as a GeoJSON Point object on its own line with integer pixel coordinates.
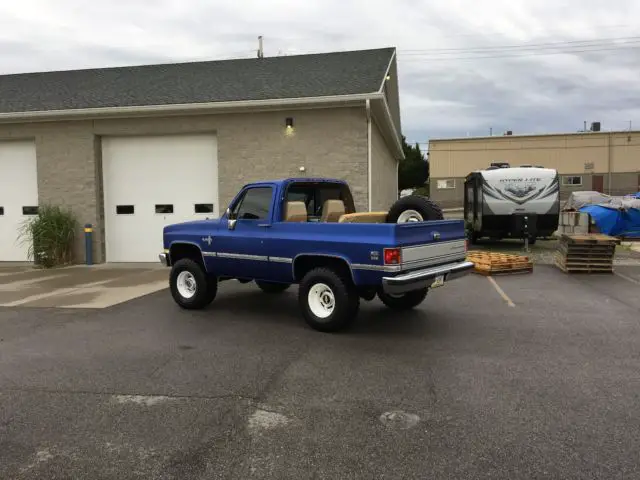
{"type": "Point", "coordinates": [388, 77]}
{"type": "Point", "coordinates": [302, 169]}
{"type": "Point", "coordinates": [289, 122]}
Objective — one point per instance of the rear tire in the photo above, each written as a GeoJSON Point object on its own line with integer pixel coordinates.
{"type": "Point", "coordinates": [329, 301]}
{"type": "Point", "coordinates": [272, 287]}
{"type": "Point", "coordinates": [414, 208]}
{"type": "Point", "coordinates": [191, 287]}
{"type": "Point", "coordinates": [406, 301]}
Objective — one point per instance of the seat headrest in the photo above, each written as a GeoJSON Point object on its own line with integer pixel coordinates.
{"type": "Point", "coordinates": [332, 210]}
{"type": "Point", "coordinates": [295, 212]}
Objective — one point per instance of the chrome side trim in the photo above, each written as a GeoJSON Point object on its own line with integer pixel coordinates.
{"type": "Point", "coordinates": [424, 278]}
{"type": "Point", "coordinates": [281, 260]}
{"type": "Point", "coordinates": [209, 254]}
{"type": "Point", "coordinates": [376, 268]}
{"type": "Point", "coordinates": [242, 256]}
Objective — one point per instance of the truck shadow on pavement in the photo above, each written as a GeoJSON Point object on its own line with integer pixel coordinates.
{"type": "Point", "coordinates": [255, 307]}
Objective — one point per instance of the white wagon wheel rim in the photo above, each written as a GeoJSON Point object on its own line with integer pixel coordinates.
{"type": "Point", "coordinates": [186, 284]}
{"type": "Point", "coordinates": [410, 216]}
{"type": "Point", "coordinates": [321, 300]}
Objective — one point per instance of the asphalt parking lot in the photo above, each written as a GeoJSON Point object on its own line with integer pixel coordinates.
{"type": "Point", "coordinates": [535, 376]}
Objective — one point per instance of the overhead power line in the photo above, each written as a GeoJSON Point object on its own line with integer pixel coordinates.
{"type": "Point", "coordinates": [526, 46]}
{"type": "Point", "coordinates": [427, 58]}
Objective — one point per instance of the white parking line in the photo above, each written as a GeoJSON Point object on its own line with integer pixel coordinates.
{"type": "Point", "coordinates": [504, 296]}
{"type": "Point", "coordinates": [629, 279]}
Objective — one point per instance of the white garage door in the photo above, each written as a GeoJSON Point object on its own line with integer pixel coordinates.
{"type": "Point", "coordinates": [153, 181]}
{"type": "Point", "coordinates": [18, 196]}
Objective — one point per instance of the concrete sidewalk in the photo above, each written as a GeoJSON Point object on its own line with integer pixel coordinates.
{"type": "Point", "coordinates": [79, 286]}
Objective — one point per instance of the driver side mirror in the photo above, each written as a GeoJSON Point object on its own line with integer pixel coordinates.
{"type": "Point", "coordinates": [231, 219]}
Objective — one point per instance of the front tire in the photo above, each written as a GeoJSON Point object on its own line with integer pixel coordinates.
{"type": "Point", "coordinates": [272, 287]}
{"type": "Point", "coordinates": [191, 287]}
{"type": "Point", "coordinates": [406, 301]}
{"type": "Point", "coordinates": [329, 302]}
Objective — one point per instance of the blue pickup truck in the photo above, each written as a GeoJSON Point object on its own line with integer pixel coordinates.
{"type": "Point", "coordinates": [306, 231]}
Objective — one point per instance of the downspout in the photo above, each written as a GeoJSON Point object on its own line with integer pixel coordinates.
{"type": "Point", "coordinates": [369, 159]}
{"type": "Point", "coordinates": [609, 165]}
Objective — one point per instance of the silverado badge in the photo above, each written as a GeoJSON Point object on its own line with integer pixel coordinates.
{"type": "Point", "coordinates": [207, 240]}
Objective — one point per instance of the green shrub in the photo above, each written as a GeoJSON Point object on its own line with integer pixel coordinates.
{"type": "Point", "coordinates": [50, 235]}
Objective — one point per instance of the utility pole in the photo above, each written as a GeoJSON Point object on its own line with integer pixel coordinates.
{"type": "Point", "coordinates": [491, 131]}
{"type": "Point", "coordinates": [260, 49]}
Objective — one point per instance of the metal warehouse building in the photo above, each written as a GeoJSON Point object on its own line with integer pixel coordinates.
{"type": "Point", "coordinates": [607, 162]}
{"type": "Point", "coordinates": [131, 149]}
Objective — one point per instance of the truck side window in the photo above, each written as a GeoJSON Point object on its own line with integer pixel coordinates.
{"type": "Point", "coordinates": [255, 204]}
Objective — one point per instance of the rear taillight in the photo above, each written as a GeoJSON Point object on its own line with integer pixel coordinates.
{"type": "Point", "coordinates": [392, 256]}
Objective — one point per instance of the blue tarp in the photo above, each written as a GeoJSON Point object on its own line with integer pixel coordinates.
{"type": "Point", "coordinates": [615, 222]}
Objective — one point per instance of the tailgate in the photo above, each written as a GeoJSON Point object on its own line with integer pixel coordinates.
{"type": "Point", "coordinates": [431, 243]}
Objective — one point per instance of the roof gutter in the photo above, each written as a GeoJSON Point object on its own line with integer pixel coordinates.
{"type": "Point", "coordinates": [186, 108]}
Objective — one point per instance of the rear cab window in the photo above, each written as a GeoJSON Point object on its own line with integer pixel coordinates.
{"type": "Point", "coordinates": [315, 194]}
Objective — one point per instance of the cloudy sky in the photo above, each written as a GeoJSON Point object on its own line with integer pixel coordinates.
{"type": "Point", "coordinates": [465, 66]}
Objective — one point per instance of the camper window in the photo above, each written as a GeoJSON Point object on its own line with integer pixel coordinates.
{"type": "Point", "coordinates": [447, 183]}
{"type": "Point", "coordinates": [573, 180]}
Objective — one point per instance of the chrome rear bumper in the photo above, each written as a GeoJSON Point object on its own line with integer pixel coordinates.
{"type": "Point", "coordinates": [164, 259]}
{"type": "Point", "coordinates": [424, 278]}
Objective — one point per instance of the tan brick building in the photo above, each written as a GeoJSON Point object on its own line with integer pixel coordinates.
{"type": "Point", "coordinates": [131, 149]}
{"type": "Point", "coordinates": [608, 162]}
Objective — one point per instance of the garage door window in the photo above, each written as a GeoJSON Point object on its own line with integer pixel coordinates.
{"type": "Point", "coordinates": [1, 210]}
{"type": "Point", "coordinates": [27, 210]}
{"type": "Point", "coordinates": [124, 209]}
{"type": "Point", "coordinates": [203, 208]}
{"type": "Point", "coordinates": [164, 208]}
{"type": "Point", "coordinates": [255, 204]}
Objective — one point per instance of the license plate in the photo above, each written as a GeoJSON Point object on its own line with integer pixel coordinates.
{"type": "Point", "coordinates": [438, 282]}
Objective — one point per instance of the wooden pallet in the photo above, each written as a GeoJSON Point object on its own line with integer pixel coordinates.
{"type": "Point", "coordinates": [492, 263]}
{"type": "Point", "coordinates": [589, 239]}
{"type": "Point", "coordinates": [590, 253]}
{"type": "Point", "coordinates": [583, 268]}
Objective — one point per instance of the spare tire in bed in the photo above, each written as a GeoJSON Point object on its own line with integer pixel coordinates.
{"type": "Point", "coordinates": [413, 208]}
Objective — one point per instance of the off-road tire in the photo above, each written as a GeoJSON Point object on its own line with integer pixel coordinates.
{"type": "Point", "coordinates": [345, 298]}
{"type": "Point", "coordinates": [405, 301]}
{"type": "Point", "coordinates": [206, 286]}
{"type": "Point", "coordinates": [272, 287]}
{"type": "Point", "coordinates": [426, 208]}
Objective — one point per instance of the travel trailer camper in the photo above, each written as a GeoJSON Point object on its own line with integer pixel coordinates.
{"type": "Point", "coordinates": [511, 202]}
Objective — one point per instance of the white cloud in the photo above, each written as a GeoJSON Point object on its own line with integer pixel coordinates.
{"type": "Point", "coordinates": [442, 93]}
